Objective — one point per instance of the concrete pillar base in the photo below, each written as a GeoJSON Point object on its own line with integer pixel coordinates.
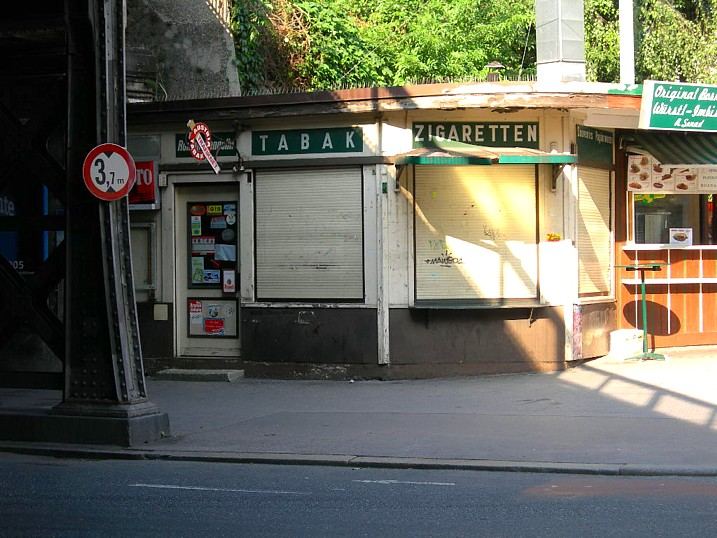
{"type": "Point", "coordinates": [120, 425]}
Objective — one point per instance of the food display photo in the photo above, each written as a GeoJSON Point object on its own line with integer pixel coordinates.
{"type": "Point", "coordinates": [639, 173]}
{"type": "Point", "coordinates": [645, 174]}
{"type": "Point", "coordinates": [681, 236]}
{"type": "Point", "coordinates": [662, 178]}
{"type": "Point", "coordinates": [685, 179]}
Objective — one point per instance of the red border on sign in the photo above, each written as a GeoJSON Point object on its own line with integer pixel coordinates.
{"type": "Point", "coordinates": [199, 129]}
{"type": "Point", "coordinates": [87, 164]}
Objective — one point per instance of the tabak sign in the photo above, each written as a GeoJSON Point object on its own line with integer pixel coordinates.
{"type": "Point", "coordinates": [678, 106]}
{"type": "Point", "coordinates": [144, 194]}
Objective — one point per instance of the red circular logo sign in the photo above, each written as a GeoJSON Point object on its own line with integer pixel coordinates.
{"type": "Point", "coordinates": [200, 130]}
{"type": "Point", "coordinates": [109, 172]}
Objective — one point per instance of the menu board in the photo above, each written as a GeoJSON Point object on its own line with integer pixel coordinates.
{"type": "Point", "coordinates": [212, 230]}
{"type": "Point", "coordinates": [645, 174]}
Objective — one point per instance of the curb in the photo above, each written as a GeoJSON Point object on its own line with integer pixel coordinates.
{"type": "Point", "coordinates": [337, 460]}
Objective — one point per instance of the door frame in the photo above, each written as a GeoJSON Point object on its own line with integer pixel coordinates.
{"type": "Point", "coordinates": [170, 291]}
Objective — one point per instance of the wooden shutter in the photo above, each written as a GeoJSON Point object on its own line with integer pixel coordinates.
{"type": "Point", "coordinates": [309, 234]}
{"type": "Point", "coordinates": [476, 232]}
{"type": "Point", "coordinates": [594, 233]}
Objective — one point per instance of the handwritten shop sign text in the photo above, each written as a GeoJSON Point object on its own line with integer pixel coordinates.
{"type": "Point", "coordinates": [677, 106]}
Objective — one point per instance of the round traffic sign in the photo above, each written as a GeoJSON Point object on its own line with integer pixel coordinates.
{"type": "Point", "coordinates": [109, 172]}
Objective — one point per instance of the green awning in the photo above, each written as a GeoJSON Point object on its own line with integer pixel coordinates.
{"type": "Point", "coordinates": [457, 154]}
{"type": "Point", "coordinates": [676, 148]}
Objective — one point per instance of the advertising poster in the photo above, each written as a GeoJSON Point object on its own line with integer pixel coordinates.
{"type": "Point", "coordinates": [213, 232]}
{"type": "Point", "coordinates": [144, 194]}
{"type": "Point", "coordinates": [646, 175]}
{"type": "Point", "coordinates": [681, 236]}
{"type": "Point", "coordinates": [212, 318]}
{"type": "Point", "coordinates": [229, 281]}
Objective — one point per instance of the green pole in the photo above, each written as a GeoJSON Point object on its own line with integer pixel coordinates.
{"type": "Point", "coordinates": [644, 311]}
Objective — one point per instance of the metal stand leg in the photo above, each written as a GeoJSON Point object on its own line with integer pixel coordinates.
{"type": "Point", "coordinates": [645, 355]}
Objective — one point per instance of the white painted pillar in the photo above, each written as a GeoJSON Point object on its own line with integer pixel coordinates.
{"type": "Point", "coordinates": [384, 181]}
{"type": "Point", "coordinates": [627, 42]}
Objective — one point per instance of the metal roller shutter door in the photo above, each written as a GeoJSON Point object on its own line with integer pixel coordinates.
{"type": "Point", "coordinates": [309, 234]}
{"type": "Point", "coordinates": [476, 232]}
{"type": "Point", "coordinates": [594, 234]}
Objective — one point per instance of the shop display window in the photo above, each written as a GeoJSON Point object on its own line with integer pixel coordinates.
{"type": "Point", "coordinates": [672, 205]}
{"type": "Point", "coordinates": [677, 219]}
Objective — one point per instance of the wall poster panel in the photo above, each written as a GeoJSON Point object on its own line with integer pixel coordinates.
{"type": "Point", "coordinates": [212, 317]}
{"type": "Point", "coordinates": [212, 241]}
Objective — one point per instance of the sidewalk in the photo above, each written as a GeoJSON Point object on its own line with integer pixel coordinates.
{"type": "Point", "coordinates": [604, 417]}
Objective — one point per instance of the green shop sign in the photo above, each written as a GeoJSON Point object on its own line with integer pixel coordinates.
{"type": "Point", "coordinates": [491, 134]}
{"type": "Point", "coordinates": [298, 141]}
{"type": "Point", "coordinates": [223, 145]}
{"type": "Point", "coordinates": [594, 146]}
{"type": "Point", "coordinates": [677, 106]}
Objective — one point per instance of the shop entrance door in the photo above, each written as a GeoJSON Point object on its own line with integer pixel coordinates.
{"type": "Point", "coordinates": [207, 235]}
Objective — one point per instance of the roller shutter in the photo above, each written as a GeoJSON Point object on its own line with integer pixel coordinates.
{"type": "Point", "coordinates": [594, 233]}
{"type": "Point", "coordinates": [309, 234]}
{"type": "Point", "coordinates": [476, 232]}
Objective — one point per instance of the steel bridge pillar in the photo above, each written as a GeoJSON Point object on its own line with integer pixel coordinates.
{"type": "Point", "coordinates": [104, 396]}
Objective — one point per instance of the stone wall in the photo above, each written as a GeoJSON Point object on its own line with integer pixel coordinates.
{"type": "Point", "coordinates": [178, 49]}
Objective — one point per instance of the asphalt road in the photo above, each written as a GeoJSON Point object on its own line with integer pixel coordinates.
{"type": "Point", "coordinates": [53, 497]}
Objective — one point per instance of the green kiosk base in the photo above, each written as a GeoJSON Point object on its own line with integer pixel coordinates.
{"type": "Point", "coordinates": [641, 268]}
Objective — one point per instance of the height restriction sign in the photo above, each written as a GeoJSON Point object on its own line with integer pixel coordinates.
{"type": "Point", "coordinates": [109, 172]}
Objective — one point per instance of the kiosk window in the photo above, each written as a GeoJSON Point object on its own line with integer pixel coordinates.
{"type": "Point", "coordinates": [657, 214]}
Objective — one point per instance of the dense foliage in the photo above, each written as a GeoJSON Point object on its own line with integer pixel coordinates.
{"type": "Point", "coordinates": [326, 44]}
{"type": "Point", "coordinates": [317, 44]}
{"type": "Point", "coordinates": [675, 40]}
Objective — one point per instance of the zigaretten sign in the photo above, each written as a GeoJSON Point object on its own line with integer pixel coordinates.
{"type": "Point", "coordinates": [678, 107]}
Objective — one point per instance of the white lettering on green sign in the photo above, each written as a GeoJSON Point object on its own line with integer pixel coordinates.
{"type": "Point", "coordinates": [498, 134]}
{"type": "Point", "coordinates": [678, 106]}
{"type": "Point", "coordinates": [298, 141]}
{"type": "Point", "coordinates": [594, 146]}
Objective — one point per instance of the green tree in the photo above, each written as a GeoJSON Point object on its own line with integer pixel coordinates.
{"type": "Point", "coordinates": [675, 40]}
{"type": "Point", "coordinates": [327, 44]}
{"type": "Point", "coordinates": [602, 40]}
{"type": "Point", "coordinates": [347, 43]}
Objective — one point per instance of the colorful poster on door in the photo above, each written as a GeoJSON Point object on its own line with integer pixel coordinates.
{"type": "Point", "coordinates": [197, 269]}
{"type": "Point", "coordinates": [213, 231]}
{"type": "Point", "coordinates": [229, 281]}
{"type": "Point", "coordinates": [212, 318]}
{"type": "Point", "coordinates": [214, 326]}
{"type": "Point", "coordinates": [196, 225]}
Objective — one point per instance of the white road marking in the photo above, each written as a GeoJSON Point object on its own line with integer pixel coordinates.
{"type": "Point", "coordinates": [390, 482]}
{"type": "Point", "coordinates": [229, 490]}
